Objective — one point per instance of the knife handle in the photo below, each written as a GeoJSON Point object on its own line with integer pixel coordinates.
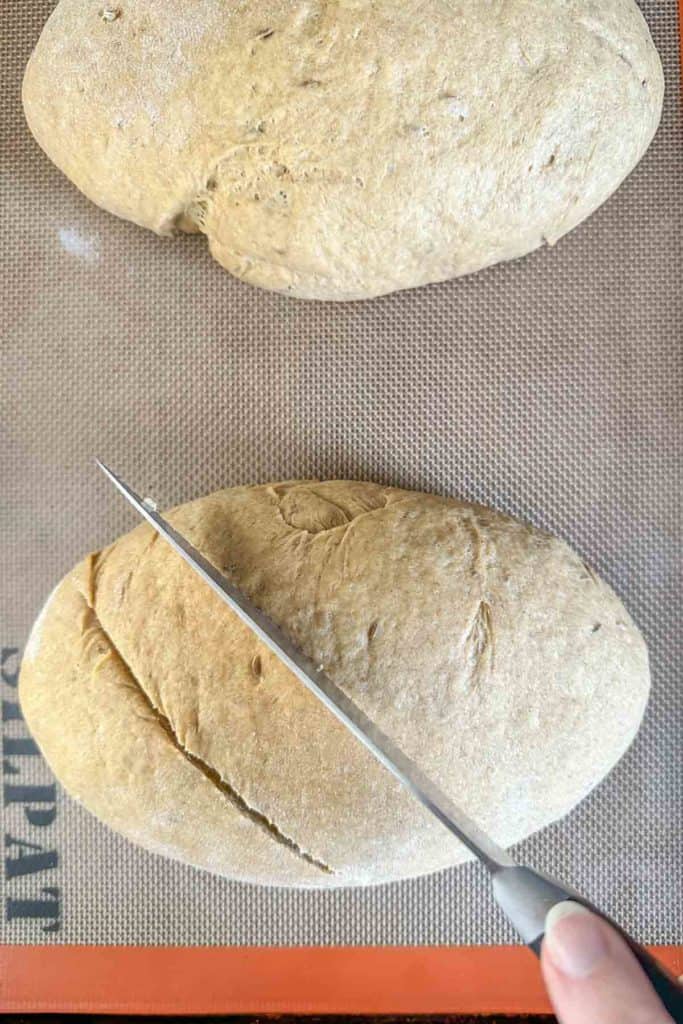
{"type": "Point", "coordinates": [526, 896]}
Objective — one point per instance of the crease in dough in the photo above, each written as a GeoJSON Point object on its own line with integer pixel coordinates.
{"type": "Point", "coordinates": [381, 146]}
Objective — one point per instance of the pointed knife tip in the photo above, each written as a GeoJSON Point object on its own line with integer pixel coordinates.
{"type": "Point", "coordinates": [109, 473]}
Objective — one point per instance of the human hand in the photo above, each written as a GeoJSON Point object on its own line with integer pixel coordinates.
{"type": "Point", "coordinates": [591, 974]}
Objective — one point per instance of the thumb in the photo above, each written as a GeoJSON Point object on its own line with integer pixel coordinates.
{"type": "Point", "coordinates": [592, 975]}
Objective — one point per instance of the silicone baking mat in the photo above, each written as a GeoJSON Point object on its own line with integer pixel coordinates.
{"type": "Point", "coordinates": [549, 388]}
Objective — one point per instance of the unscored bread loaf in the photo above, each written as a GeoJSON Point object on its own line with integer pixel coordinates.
{"type": "Point", "coordinates": [488, 650]}
{"type": "Point", "coordinates": [340, 150]}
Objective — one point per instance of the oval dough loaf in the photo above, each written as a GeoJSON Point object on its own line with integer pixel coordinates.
{"type": "Point", "coordinates": [487, 649]}
{"type": "Point", "coordinates": [340, 149]}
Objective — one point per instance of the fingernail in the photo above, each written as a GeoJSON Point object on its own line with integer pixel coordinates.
{"type": "Point", "coordinates": [574, 939]}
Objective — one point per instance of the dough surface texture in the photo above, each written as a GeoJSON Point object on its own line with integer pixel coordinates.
{"type": "Point", "coordinates": [488, 650]}
{"type": "Point", "coordinates": [343, 149]}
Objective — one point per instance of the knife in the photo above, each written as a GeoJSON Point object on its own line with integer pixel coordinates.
{"type": "Point", "coordinates": [524, 895]}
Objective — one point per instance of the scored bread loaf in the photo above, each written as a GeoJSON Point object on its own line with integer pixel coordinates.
{"type": "Point", "coordinates": [346, 150]}
{"type": "Point", "coordinates": [487, 649]}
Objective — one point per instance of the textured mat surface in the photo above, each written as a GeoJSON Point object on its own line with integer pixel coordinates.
{"type": "Point", "coordinates": [550, 388]}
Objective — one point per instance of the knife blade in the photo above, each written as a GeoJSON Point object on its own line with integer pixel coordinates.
{"type": "Point", "coordinates": [524, 894]}
{"type": "Point", "coordinates": [314, 678]}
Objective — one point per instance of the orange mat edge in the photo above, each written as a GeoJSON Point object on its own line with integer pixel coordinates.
{"type": "Point", "coordinates": [241, 980]}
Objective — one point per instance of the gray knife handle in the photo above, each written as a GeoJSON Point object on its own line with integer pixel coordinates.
{"type": "Point", "coordinates": [526, 896]}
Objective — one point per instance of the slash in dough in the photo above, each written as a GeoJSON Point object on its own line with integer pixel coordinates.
{"type": "Point", "coordinates": [488, 650]}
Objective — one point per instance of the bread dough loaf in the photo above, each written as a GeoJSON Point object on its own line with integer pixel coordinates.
{"type": "Point", "coordinates": [488, 650]}
{"type": "Point", "coordinates": [340, 149]}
